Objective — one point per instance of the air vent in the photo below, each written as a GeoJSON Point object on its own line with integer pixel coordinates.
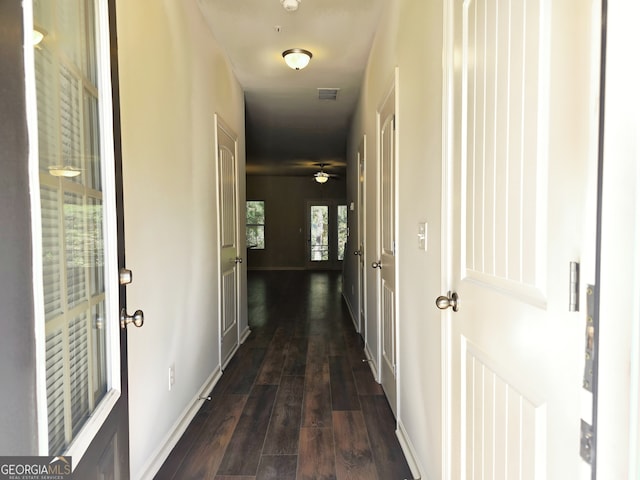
{"type": "Point", "coordinates": [328, 93]}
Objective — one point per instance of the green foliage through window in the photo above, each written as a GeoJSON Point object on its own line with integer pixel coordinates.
{"type": "Point", "coordinates": [255, 224]}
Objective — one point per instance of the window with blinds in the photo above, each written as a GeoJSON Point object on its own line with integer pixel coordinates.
{"type": "Point", "coordinates": [72, 215]}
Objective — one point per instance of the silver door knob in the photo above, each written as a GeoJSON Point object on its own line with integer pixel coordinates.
{"type": "Point", "coordinates": [377, 264]}
{"type": "Point", "coordinates": [357, 252]}
{"type": "Point", "coordinates": [137, 318]}
{"type": "Point", "coordinates": [238, 260]}
{"type": "Point", "coordinates": [449, 300]}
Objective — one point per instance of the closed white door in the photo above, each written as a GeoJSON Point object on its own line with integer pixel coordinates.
{"type": "Point", "coordinates": [520, 141]}
{"type": "Point", "coordinates": [387, 262]}
{"type": "Point", "coordinates": [230, 260]}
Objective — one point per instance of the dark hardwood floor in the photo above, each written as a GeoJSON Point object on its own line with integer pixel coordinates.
{"type": "Point", "coordinates": [297, 401]}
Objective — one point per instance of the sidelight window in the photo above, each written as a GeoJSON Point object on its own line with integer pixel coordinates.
{"type": "Point", "coordinates": [255, 224]}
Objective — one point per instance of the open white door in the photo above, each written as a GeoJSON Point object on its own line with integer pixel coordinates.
{"type": "Point", "coordinates": [521, 124]}
{"type": "Point", "coordinates": [226, 146]}
{"type": "Point", "coordinates": [387, 234]}
{"type": "Point", "coordinates": [78, 237]}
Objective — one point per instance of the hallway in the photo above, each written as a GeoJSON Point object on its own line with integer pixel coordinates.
{"type": "Point", "coordinates": [297, 401]}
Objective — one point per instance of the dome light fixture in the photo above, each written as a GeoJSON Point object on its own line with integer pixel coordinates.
{"type": "Point", "coordinates": [321, 177]}
{"type": "Point", "coordinates": [290, 5]}
{"type": "Point", "coordinates": [297, 58]}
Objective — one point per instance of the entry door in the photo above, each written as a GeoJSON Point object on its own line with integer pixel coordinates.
{"type": "Point", "coordinates": [83, 411]}
{"type": "Point", "coordinates": [229, 257]}
{"type": "Point", "coordinates": [519, 166]}
{"type": "Point", "coordinates": [387, 262]}
{"type": "Point", "coordinates": [361, 234]}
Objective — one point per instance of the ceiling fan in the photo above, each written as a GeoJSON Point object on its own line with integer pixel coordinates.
{"type": "Point", "coordinates": [322, 176]}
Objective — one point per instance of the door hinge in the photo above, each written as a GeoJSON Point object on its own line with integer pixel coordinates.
{"type": "Point", "coordinates": [589, 348]}
{"type": "Point", "coordinates": [574, 286]}
{"type": "Point", "coordinates": [586, 442]}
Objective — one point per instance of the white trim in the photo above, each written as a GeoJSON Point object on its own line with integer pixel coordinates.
{"type": "Point", "coordinates": [348, 303]}
{"type": "Point", "coordinates": [245, 334]}
{"type": "Point", "coordinates": [36, 231]}
{"type": "Point", "coordinates": [446, 234]}
{"type": "Point", "coordinates": [161, 453]}
{"type": "Point", "coordinates": [409, 452]}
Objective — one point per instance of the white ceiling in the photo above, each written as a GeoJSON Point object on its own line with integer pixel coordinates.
{"type": "Point", "coordinates": [288, 129]}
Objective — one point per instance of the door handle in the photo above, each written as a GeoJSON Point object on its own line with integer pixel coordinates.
{"type": "Point", "coordinates": [357, 252]}
{"type": "Point", "coordinates": [377, 264]}
{"type": "Point", "coordinates": [137, 318]}
{"type": "Point", "coordinates": [238, 260]}
{"type": "Point", "coordinates": [449, 300]}
{"type": "Point", "coordinates": [125, 276]}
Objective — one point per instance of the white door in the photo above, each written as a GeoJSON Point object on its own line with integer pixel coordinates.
{"type": "Point", "coordinates": [82, 405]}
{"type": "Point", "coordinates": [387, 262]}
{"type": "Point", "coordinates": [521, 126]}
{"type": "Point", "coordinates": [361, 212]}
{"type": "Point", "coordinates": [229, 256]}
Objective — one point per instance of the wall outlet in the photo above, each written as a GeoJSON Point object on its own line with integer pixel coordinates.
{"type": "Point", "coordinates": [172, 375]}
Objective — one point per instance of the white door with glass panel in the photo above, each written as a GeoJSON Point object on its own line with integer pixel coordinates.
{"type": "Point", "coordinates": [327, 230]}
{"type": "Point", "coordinates": [515, 352]}
{"type": "Point", "coordinates": [82, 373]}
{"type": "Point", "coordinates": [229, 256]}
{"type": "Point", "coordinates": [361, 214]}
{"type": "Point", "coordinates": [387, 233]}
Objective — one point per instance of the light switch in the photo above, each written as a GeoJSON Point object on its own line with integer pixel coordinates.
{"type": "Point", "coordinates": [422, 236]}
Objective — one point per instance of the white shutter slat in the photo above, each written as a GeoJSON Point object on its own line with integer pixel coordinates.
{"type": "Point", "coordinates": [55, 393]}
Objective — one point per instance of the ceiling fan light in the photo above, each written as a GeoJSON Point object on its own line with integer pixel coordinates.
{"type": "Point", "coordinates": [297, 58]}
{"type": "Point", "coordinates": [64, 171]}
{"type": "Point", "coordinates": [321, 177]}
{"type": "Point", "coordinates": [290, 5]}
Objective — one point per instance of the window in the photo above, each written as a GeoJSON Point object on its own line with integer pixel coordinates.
{"type": "Point", "coordinates": [319, 233]}
{"type": "Point", "coordinates": [73, 202]}
{"type": "Point", "coordinates": [255, 224]}
{"type": "Point", "coordinates": [342, 230]}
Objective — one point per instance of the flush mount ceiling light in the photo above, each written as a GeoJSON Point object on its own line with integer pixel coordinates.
{"type": "Point", "coordinates": [290, 5]}
{"type": "Point", "coordinates": [297, 58]}
{"type": "Point", "coordinates": [64, 171]}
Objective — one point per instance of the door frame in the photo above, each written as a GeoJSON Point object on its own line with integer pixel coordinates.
{"type": "Point", "coordinates": [361, 210]}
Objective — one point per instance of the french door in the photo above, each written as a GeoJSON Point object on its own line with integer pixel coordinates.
{"type": "Point", "coordinates": [80, 302]}
{"type": "Point", "coordinates": [327, 233]}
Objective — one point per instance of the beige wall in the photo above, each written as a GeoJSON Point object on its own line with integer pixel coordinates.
{"type": "Point", "coordinates": [410, 37]}
{"type": "Point", "coordinates": [286, 235]}
{"type": "Point", "coordinates": [173, 79]}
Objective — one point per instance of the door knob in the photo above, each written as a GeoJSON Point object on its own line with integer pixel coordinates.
{"type": "Point", "coordinates": [137, 318]}
{"type": "Point", "coordinates": [357, 252]}
{"type": "Point", "coordinates": [238, 260]}
{"type": "Point", "coordinates": [449, 300]}
{"type": "Point", "coordinates": [377, 264]}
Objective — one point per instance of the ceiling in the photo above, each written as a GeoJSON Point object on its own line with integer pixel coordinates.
{"type": "Point", "coordinates": [289, 130]}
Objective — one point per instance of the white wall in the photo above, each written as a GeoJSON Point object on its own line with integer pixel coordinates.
{"type": "Point", "coordinates": [173, 79]}
{"type": "Point", "coordinates": [410, 36]}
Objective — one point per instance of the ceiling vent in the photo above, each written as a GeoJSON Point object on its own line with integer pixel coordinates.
{"type": "Point", "coordinates": [328, 93]}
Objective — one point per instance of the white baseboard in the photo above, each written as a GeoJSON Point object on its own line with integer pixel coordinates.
{"type": "Point", "coordinates": [244, 335]}
{"type": "Point", "coordinates": [153, 465]}
{"type": "Point", "coordinates": [409, 451]}
{"type": "Point", "coordinates": [353, 317]}
{"type": "Point", "coordinates": [373, 365]}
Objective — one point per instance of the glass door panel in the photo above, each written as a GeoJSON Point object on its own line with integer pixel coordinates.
{"type": "Point", "coordinates": [319, 233]}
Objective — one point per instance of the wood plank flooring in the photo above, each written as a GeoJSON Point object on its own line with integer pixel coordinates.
{"type": "Point", "coordinates": [296, 402]}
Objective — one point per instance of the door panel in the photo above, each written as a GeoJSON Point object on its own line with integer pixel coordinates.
{"type": "Point", "coordinates": [229, 253]}
{"type": "Point", "coordinates": [515, 349]}
{"type": "Point", "coordinates": [80, 225]}
{"type": "Point", "coordinates": [387, 211]}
